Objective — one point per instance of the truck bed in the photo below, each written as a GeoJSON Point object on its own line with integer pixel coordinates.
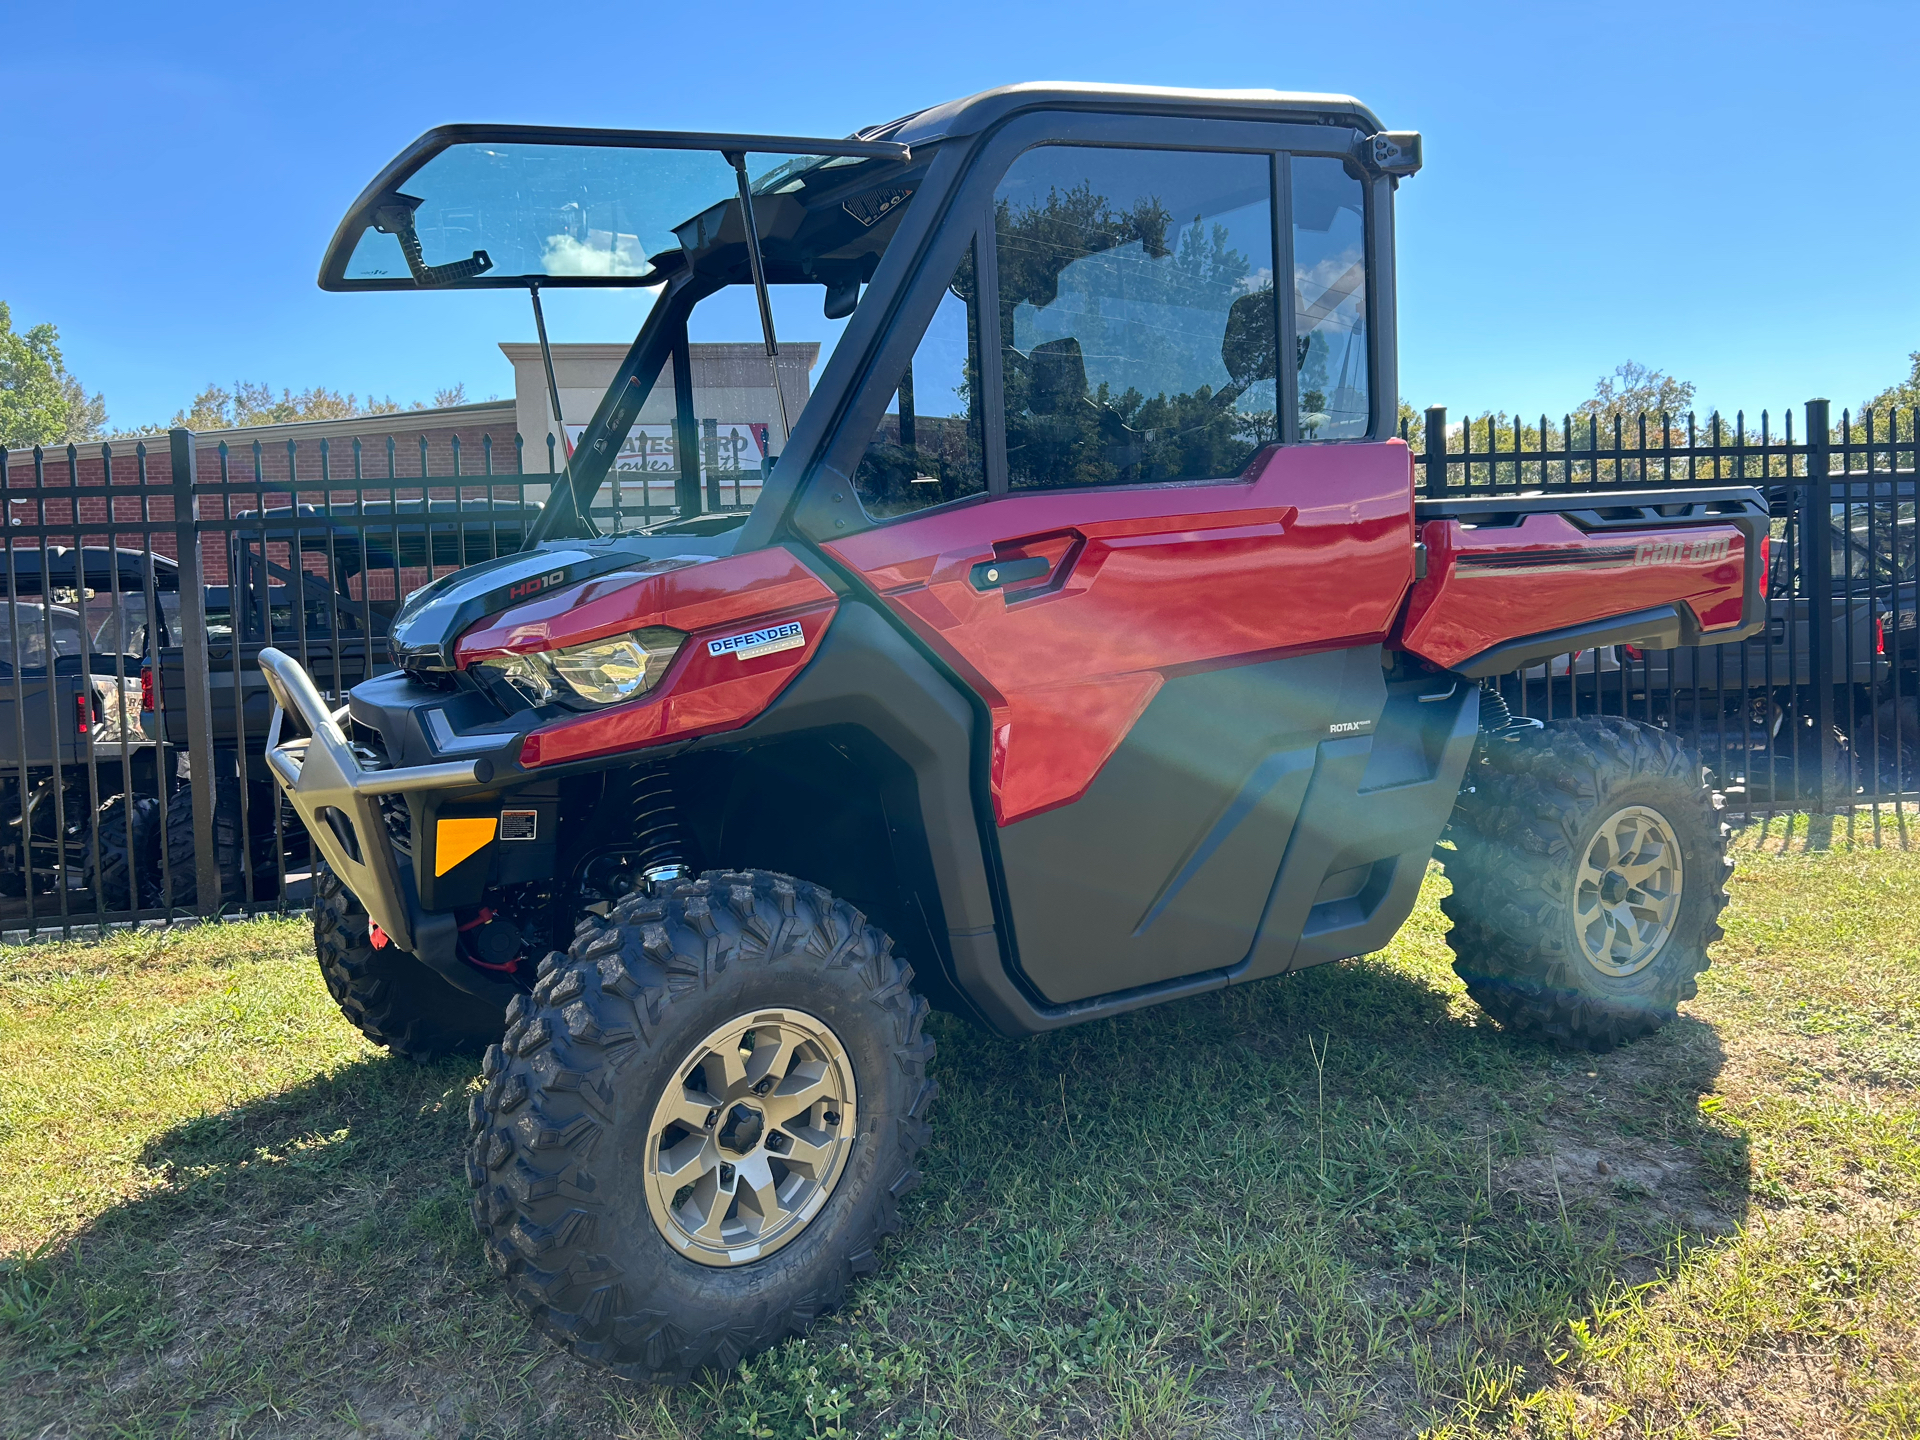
{"type": "Point", "coordinates": [1511, 580]}
{"type": "Point", "coordinates": [336, 667]}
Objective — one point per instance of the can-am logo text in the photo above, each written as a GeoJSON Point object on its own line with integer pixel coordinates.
{"type": "Point", "coordinates": [1681, 552]}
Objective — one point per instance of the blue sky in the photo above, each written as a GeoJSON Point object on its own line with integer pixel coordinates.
{"type": "Point", "coordinates": [1728, 192]}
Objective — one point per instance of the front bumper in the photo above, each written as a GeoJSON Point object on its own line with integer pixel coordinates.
{"type": "Point", "coordinates": [336, 796]}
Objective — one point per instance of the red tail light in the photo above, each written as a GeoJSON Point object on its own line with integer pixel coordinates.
{"type": "Point", "coordinates": [1879, 634]}
{"type": "Point", "coordinates": [1633, 652]}
{"type": "Point", "coordinates": [83, 714]}
{"type": "Point", "coordinates": [1766, 562]}
{"type": "Point", "coordinates": [146, 688]}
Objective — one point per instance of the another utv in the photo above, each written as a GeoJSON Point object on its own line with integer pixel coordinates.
{"type": "Point", "coordinates": [1086, 649]}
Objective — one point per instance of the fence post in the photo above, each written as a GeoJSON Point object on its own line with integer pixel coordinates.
{"type": "Point", "coordinates": [1436, 456]}
{"type": "Point", "coordinates": [1816, 568]}
{"type": "Point", "coordinates": [193, 647]}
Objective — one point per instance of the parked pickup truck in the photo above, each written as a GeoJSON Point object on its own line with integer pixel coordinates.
{"type": "Point", "coordinates": [1086, 649]}
{"type": "Point", "coordinates": [79, 790]}
{"type": "Point", "coordinates": [338, 629]}
{"type": "Point", "coordinates": [1750, 707]}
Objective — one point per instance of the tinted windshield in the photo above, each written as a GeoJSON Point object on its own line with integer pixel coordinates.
{"type": "Point", "coordinates": [1873, 543]}
{"type": "Point", "coordinates": [28, 631]}
{"type": "Point", "coordinates": [512, 205]}
{"type": "Point", "coordinates": [121, 625]}
{"type": "Point", "coordinates": [538, 211]}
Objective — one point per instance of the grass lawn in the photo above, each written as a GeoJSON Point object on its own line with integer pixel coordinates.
{"type": "Point", "coordinates": [1336, 1204]}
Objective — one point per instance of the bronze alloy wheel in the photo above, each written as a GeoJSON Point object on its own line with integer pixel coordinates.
{"type": "Point", "coordinates": [750, 1137]}
{"type": "Point", "coordinates": [1627, 894]}
{"type": "Point", "coordinates": [1571, 921]}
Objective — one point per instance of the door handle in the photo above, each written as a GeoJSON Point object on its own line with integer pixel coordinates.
{"type": "Point", "coordinates": [997, 574]}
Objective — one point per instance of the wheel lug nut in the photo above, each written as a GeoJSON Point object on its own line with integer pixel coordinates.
{"type": "Point", "coordinates": [726, 1176]}
{"type": "Point", "coordinates": [713, 1117]}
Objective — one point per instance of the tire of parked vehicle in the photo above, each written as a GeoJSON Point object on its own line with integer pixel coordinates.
{"type": "Point", "coordinates": [1589, 873]}
{"type": "Point", "coordinates": [182, 878]}
{"type": "Point", "coordinates": [700, 1124]}
{"type": "Point", "coordinates": [388, 995]}
{"type": "Point", "coordinates": [129, 877]}
{"type": "Point", "coordinates": [1898, 723]}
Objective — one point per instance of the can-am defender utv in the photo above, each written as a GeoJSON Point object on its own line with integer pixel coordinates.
{"type": "Point", "coordinates": [1086, 647]}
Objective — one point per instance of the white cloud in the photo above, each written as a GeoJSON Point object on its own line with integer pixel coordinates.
{"type": "Point", "coordinates": [602, 253]}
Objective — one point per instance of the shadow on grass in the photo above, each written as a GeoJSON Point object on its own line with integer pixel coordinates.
{"type": "Point", "coordinates": [1336, 1186]}
{"type": "Point", "coordinates": [1343, 1181]}
{"type": "Point", "coordinates": [306, 1234]}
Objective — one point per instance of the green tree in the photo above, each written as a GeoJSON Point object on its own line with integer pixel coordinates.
{"type": "Point", "coordinates": [40, 402]}
{"type": "Point", "coordinates": [252, 403]}
{"type": "Point", "coordinates": [1633, 390]}
{"type": "Point", "coordinates": [1903, 396]}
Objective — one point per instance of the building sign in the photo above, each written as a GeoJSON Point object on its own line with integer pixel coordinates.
{"type": "Point", "coordinates": [727, 447]}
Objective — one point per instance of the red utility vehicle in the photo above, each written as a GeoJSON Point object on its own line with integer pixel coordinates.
{"type": "Point", "coordinates": [1087, 648]}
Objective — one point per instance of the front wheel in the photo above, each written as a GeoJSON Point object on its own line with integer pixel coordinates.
{"type": "Point", "coordinates": [389, 996]}
{"type": "Point", "coordinates": [700, 1123]}
{"type": "Point", "coordinates": [1589, 873]}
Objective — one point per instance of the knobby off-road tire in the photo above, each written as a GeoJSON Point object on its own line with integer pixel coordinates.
{"type": "Point", "coordinates": [388, 995]}
{"type": "Point", "coordinates": [129, 877]}
{"type": "Point", "coordinates": [182, 877]}
{"type": "Point", "coordinates": [563, 1154]}
{"type": "Point", "coordinates": [1559, 824]}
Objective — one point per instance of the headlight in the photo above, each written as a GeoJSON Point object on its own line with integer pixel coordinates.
{"type": "Point", "coordinates": [601, 672]}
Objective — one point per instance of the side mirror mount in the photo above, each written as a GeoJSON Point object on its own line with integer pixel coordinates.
{"type": "Point", "coordinates": [396, 219]}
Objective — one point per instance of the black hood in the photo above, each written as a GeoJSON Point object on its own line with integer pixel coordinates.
{"type": "Point", "coordinates": [433, 619]}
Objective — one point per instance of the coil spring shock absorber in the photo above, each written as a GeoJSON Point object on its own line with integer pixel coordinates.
{"type": "Point", "coordinates": [660, 857]}
{"type": "Point", "coordinates": [1495, 715]}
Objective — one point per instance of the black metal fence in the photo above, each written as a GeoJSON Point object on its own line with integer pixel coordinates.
{"type": "Point", "coordinates": [142, 583]}
{"type": "Point", "coordinates": [1821, 710]}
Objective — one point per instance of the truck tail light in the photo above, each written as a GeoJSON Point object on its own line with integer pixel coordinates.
{"type": "Point", "coordinates": [1766, 562]}
{"type": "Point", "coordinates": [146, 688]}
{"type": "Point", "coordinates": [1879, 634]}
{"type": "Point", "coordinates": [83, 713]}
{"type": "Point", "coordinates": [1634, 652]}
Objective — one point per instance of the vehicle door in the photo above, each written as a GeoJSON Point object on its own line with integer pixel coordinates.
{"type": "Point", "coordinates": [1131, 499]}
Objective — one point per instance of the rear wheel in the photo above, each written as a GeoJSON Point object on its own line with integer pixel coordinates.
{"type": "Point", "coordinates": [390, 997]}
{"type": "Point", "coordinates": [183, 880]}
{"type": "Point", "coordinates": [700, 1123]}
{"type": "Point", "coordinates": [1898, 724]}
{"type": "Point", "coordinates": [129, 876]}
{"type": "Point", "coordinates": [1588, 878]}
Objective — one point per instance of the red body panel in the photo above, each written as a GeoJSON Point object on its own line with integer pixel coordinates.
{"type": "Point", "coordinates": [702, 692]}
{"type": "Point", "coordinates": [1485, 586]}
{"type": "Point", "coordinates": [1311, 549]}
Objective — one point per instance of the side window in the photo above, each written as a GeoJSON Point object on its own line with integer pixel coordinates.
{"type": "Point", "coordinates": [927, 450]}
{"type": "Point", "coordinates": [1330, 298]}
{"type": "Point", "coordinates": [1138, 331]}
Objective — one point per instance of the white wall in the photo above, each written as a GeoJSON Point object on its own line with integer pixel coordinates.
{"type": "Point", "coordinates": [731, 382]}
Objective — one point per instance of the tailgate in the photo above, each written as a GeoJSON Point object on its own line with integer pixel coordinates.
{"type": "Point", "coordinates": [1511, 580]}
{"type": "Point", "coordinates": [335, 667]}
